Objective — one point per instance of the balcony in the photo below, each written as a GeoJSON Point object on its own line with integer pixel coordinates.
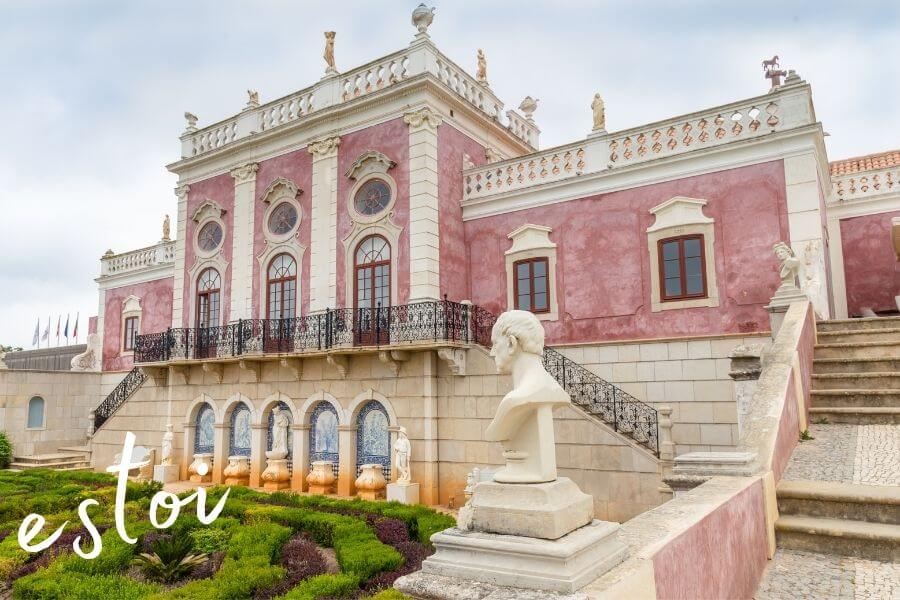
{"type": "Point", "coordinates": [423, 324]}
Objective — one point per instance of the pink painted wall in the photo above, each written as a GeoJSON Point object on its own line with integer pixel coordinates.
{"type": "Point", "coordinates": [603, 270]}
{"type": "Point", "coordinates": [156, 316]}
{"type": "Point", "coordinates": [219, 189]}
{"type": "Point", "coordinates": [721, 556]}
{"type": "Point", "coordinates": [296, 167]}
{"type": "Point", "coordinates": [392, 140]}
{"type": "Point", "coordinates": [454, 255]}
{"type": "Point", "coordinates": [871, 269]}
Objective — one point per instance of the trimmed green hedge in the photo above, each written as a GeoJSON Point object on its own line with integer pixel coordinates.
{"type": "Point", "coordinates": [323, 586]}
{"type": "Point", "coordinates": [45, 584]}
{"type": "Point", "coordinates": [236, 579]}
{"type": "Point", "coordinates": [6, 451]}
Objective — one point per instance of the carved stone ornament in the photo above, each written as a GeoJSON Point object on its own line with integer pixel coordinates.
{"type": "Point", "coordinates": [423, 118]}
{"type": "Point", "coordinates": [167, 229]}
{"type": "Point", "coordinates": [422, 16]}
{"type": "Point", "coordinates": [182, 191]}
{"type": "Point", "coordinates": [252, 98]}
{"type": "Point", "coordinates": [491, 155]}
{"type": "Point", "coordinates": [528, 106]}
{"type": "Point", "coordinates": [324, 148]}
{"type": "Point", "coordinates": [89, 360]}
{"type": "Point", "coordinates": [280, 188]}
{"type": "Point", "coordinates": [370, 162]}
{"type": "Point", "coordinates": [191, 119]}
{"type": "Point", "coordinates": [208, 209]}
{"type": "Point", "coordinates": [245, 173]}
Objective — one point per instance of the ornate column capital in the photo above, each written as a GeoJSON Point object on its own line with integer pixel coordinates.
{"type": "Point", "coordinates": [182, 191]}
{"type": "Point", "coordinates": [245, 173]}
{"type": "Point", "coordinates": [324, 148]}
{"type": "Point", "coordinates": [423, 118]}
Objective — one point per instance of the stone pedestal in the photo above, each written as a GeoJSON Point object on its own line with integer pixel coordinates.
{"type": "Point", "coordinates": [165, 473]}
{"type": "Point", "coordinates": [200, 471]}
{"type": "Point", "coordinates": [238, 471]}
{"type": "Point", "coordinates": [539, 510]}
{"type": "Point", "coordinates": [561, 565]}
{"type": "Point", "coordinates": [784, 296]}
{"type": "Point", "coordinates": [405, 493]}
{"type": "Point", "coordinates": [277, 476]}
{"type": "Point", "coordinates": [370, 483]}
{"type": "Point", "coordinates": [321, 477]}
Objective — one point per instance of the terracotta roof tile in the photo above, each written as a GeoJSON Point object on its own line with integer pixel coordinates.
{"type": "Point", "coordinates": [872, 162]}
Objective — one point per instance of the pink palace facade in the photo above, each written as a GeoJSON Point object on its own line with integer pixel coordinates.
{"type": "Point", "coordinates": [349, 244]}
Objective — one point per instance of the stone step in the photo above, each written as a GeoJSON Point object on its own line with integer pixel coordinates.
{"type": "Point", "coordinates": [62, 465]}
{"type": "Point", "coordinates": [872, 541]}
{"type": "Point", "coordinates": [878, 349]}
{"type": "Point", "coordinates": [39, 460]}
{"type": "Point", "coordinates": [856, 324]}
{"type": "Point", "coordinates": [847, 398]}
{"type": "Point", "coordinates": [886, 380]}
{"type": "Point", "coordinates": [855, 415]}
{"type": "Point", "coordinates": [832, 500]}
{"type": "Point", "coordinates": [886, 334]}
{"type": "Point", "coordinates": [76, 449]}
{"type": "Point", "coordinates": [855, 365]}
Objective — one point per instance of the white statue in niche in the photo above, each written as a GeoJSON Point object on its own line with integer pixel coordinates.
{"type": "Point", "coordinates": [402, 451]}
{"type": "Point", "coordinates": [167, 445]}
{"type": "Point", "coordinates": [524, 420]}
{"type": "Point", "coordinates": [280, 425]}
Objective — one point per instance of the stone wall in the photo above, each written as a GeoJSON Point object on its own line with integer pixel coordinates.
{"type": "Point", "coordinates": [44, 359]}
{"type": "Point", "coordinates": [68, 399]}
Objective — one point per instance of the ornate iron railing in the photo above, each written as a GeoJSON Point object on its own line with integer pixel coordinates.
{"type": "Point", "coordinates": [625, 413]}
{"type": "Point", "coordinates": [118, 396]}
{"type": "Point", "coordinates": [442, 320]}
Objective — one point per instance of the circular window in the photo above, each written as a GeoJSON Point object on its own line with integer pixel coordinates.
{"type": "Point", "coordinates": [210, 236]}
{"type": "Point", "coordinates": [283, 219]}
{"type": "Point", "coordinates": [372, 198]}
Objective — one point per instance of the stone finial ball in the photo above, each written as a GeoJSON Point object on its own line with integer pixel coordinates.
{"type": "Point", "coordinates": [522, 325]}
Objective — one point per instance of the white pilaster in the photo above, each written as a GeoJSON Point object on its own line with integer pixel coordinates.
{"type": "Point", "coordinates": [424, 233]}
{"type": "Point", "coordinates": [242, 242]}
{"type": "Point", "coordinates": [178, 300]}
{"type": "Point", "coordinates": [323, 239]}
{"type": "Point", "coordinates": [838, 281]}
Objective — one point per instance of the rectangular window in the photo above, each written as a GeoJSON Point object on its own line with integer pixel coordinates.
{"type": "Point", "coordinates": [682, 267]}
{"type": "Point", "coordinates": [531, 285]}
{"type": "Point", "coordinates": [130, 333]}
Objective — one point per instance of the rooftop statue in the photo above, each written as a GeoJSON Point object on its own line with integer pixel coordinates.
{"type": "Point", "coordinates": [773, 71]}
{"type": "Point", "coordinates": [191, 119]}
{"type": "Point", "coordinates": [329, 53]}
{"type": "Point", "coordinates": [481, 72]}
{"type": "Point", "coordinates": [524, 420]}
{"type": "Point", "coordinates": [252, 98]}
{"type": "Point", "coordinates": [599, 113]}
{"type": "Point", "coordinates": [422, 16]}
{"type": "Point", "coordinates": [167, 229]}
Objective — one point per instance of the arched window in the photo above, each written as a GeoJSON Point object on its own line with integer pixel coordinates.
{"type": "Point", "coordinates": [373, 440]}
{"type": "Point", "coordinates": [282, 288]}
{"type": "Point", "coordinates": [208, 288]}
{"type": "Point", "coordinates": [36, 413]}
{"type": "Point", "coordinates": [373, 289]}
{"type": "Point", "coordinates": [323, 434]}
{"type": "Point", "coordinates": [290, 435]}
{"type": "Point", "coordinates": [239, 433]}
{"type": "Point", "coordinates": [204, 434]}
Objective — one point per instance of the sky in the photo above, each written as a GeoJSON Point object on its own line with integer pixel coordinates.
{"type": "Point", "coordinates": [95, 92]}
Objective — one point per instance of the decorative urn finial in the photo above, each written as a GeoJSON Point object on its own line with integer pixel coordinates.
{"type": "Point", "coordinates": [191, 119]}
{"type": "Point", "coordinates": [528, 106]}
{"type": "Point", "coordinates": [422, 16]}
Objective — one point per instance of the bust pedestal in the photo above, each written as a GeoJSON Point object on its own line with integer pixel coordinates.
{"type": "Point", "coordinates": [277, 476]}
{"type": "Point", "coordinates": [321, 478]}
{"type": "Point", "coordinates": [238, 471]}
{"type": "Point", "coordinates": [405, 493]}
{"type": "Point", "coordinates": [165, 473]}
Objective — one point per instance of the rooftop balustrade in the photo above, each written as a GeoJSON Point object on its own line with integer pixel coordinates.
{"type": "Point", "coordinates": [136, 260]}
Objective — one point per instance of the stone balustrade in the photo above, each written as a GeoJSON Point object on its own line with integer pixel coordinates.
{"type": "Point", "coordinates": [852, 186]}
{"type": "Point", "coordinates": [787, 108]}
{"type": "Point", "coordinates": [421, 58]}
{"type": "Point", "coordinates": [136, 260]}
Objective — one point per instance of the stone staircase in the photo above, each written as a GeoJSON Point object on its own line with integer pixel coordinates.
{"type": "Point", "coordinates": [856, 372]}
{"type": "Point", "coordinates": [69, 458]}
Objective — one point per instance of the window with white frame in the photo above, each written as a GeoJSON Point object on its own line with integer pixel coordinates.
{"type": "Point", "coordinates": [531, 272]}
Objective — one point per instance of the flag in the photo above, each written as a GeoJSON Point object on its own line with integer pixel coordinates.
{"type": "Point", "coordinates": [46, 335]}
{"type": "Point", "coordinates": [66, 330]}
{"type": "Point", "coordinates": [37, 332]}
{"type": "Point", "coordinates": [58, 323]}
{"type": "Point", "coordinates": [75, 329]}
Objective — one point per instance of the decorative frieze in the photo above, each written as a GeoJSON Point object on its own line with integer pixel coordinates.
{"type": "Point", "coordinates": [424, 118]}
{"type": "Point", "coordinates": [245, 173]}
{"type": "Point", "coordinates": [324, 148]}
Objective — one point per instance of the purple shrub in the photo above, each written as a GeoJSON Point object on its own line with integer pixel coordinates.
{"type": "Point", "coordinates": [63, 545]}
{"type": "Point", "coordinates": [301, 560]}
{"type": "Point", "coordinates": [209, 568]}
{"type": "Point", "coordinates": [390, 531]}
{"type": "Point", "coordinates": [413, 553]}
{"type": "Point", "coordinates": [3, 534]}
{"type": "Point", "coordinates": [151, 538]}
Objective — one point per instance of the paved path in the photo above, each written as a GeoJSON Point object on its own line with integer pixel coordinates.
{"type": "Point", "coordinates": [858, 454]}
{"type": "Point", "coordinates": [795, 575]}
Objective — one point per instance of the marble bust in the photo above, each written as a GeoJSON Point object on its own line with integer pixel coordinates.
{"type": "Point", "coordinates": [524, 421]}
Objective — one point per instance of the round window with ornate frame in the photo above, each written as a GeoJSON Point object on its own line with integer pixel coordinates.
{"type": "Point", "coordinates": [209, 238]}
{"type": "Point", "coordinates": [372, 197]}
{"type": "Point", "coordinates": [283, 219]}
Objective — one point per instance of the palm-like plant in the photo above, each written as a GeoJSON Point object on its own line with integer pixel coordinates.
{"type": "Point", "coordinates": [171, 560]}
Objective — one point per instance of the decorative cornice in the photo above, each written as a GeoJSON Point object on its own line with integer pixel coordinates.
{"type": "Point", "coordinates": [245, 173]}
{"type": "Point", "coordinates": [182, 191]}
{"type": "Point", "coordinates": [370, 162]}
{"type": "Point", "coordinates": [208, 208]}
{"type": "Point", "coordinates": [324, 148]}
{"type": "Point", "coordinates": [424, 118]}
{"type": "Point", "coordinates": [281, 188]}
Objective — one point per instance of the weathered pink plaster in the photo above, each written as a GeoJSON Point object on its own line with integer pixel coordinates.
{"type": "Point", "coordinates": [296, 167]}
{"type": "Point", "coordinates": [721, 556]}
{"type": "Point", "coordinates": [156, 316]}
{"type": "Point", "coordinates": [871, 269]}
{"type": "Point", "coordinates": [603, 269]}
{"type": "Point", "coordinates": [454, 256]}
{"type": "Point", "coordinates": [392, 140]}
{"type": "Point", "coordinates": [219, 189]}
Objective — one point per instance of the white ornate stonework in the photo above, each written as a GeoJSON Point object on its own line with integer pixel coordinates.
{"type": "Point", "coordinates": [245, 173]}
{"type": "Point", "coordinates": [167, 446]}
{"type": "Point", "coordinates": [369, 162]}
{"type": "Point", "coordinates": [422, 16]}
{"type": "Point", "coordinates": [402, 453]}
{"type": "Point", "coordinates": [424, 118]}
{"type": "Point", "coordinates": [207, 210]}
{"type": "Point", "coordinates": [532, 241]}
{"type": "Point", "coordinates": [238, 470]}
{"type": "Point", "coordinates": [324, 148]}
{"type": "Point", "coordinates": [89, 360]}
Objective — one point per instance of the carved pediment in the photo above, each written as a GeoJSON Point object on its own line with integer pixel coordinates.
{"type": "Point", "coordinates": [131, 304]}
{"type": "Point", "coordinates": [281, 188]}
{"type": "Point", "coordinates": [370, 162]}
{"type": "Point", "coordinates": [208, 209]}
{"type": "Point", "coordinates": [678, 211]}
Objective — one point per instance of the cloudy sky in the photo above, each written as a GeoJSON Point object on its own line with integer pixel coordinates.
{"type": "Point", "coordinates": [94, 94]}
